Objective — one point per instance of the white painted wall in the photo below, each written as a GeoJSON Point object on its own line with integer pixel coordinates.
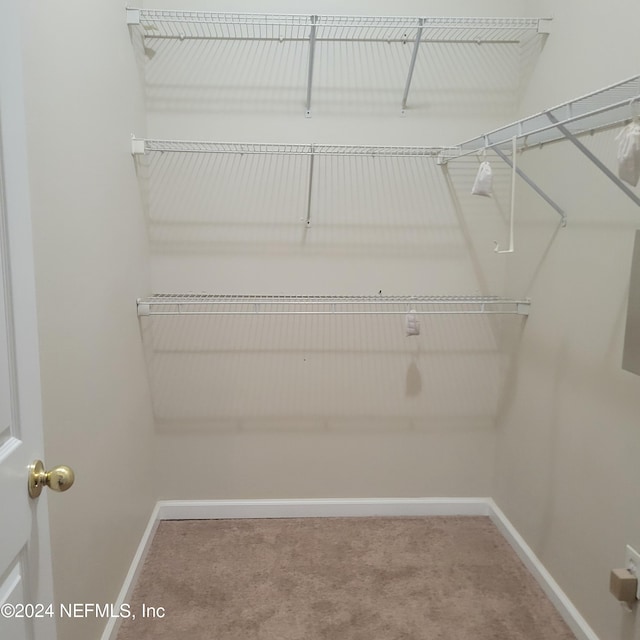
{"type": "Point", "coordinates": [566, 465]}
{"type": "Point", "coordinates": [288, 409]}
{"type": "Point", "coordinates": [251, 408]}
{"type": "Point", "coordinates": [83, 100]}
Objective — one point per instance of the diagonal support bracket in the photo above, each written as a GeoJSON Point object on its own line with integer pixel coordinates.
{"type": "Point", "coordinates": [612, 176]}
{"type": "Point", "coordinates": [412, 64]}
{"type": "Point", "coordinates": [534, 186]}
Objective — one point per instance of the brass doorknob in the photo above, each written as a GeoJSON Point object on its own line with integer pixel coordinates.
{"type": "Point", "coordinates": [59, 478]}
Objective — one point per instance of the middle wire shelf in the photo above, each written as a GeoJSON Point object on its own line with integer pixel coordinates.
{"type": "Point", "coordinates": [142, 146]}
{"type": "Point", "coordinates": [215, 304]}
{"type": "Point", "coordinates": [607, 107]}
{"type": "Point", "coordinates": [600, 110]}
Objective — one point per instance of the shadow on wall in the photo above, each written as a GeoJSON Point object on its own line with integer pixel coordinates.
{"type": "Point", "coordinates": [387, 206]}
{"type": "Point", "coordinates": [350, 77]}
{"type": "Point", "coordinates": [257, 372]}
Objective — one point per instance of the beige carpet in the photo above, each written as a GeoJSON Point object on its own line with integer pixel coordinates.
{"type": "Point", "coordinates": [435, 578]}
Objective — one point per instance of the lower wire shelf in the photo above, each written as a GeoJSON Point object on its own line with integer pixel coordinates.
{"type": "Point", "coordinates": [169, 304]}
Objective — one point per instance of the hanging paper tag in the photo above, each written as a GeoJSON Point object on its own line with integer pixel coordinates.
{"type": "Point", "coordinates": [483, 184]}
{"type": "Point", "coordinates": [412, 323]}
{"type": "Point", "coordinates": [629, 153]}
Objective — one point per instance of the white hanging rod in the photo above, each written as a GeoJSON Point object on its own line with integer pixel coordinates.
{"type": "Point", "coordinates": [260, 26]}
{"type": "Point", "coordinates": [209, 304]}
{"type": "Point", "coordinates": [141, 146]}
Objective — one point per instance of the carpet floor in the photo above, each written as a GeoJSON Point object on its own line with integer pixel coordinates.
{"type": "Point", "coordinates": [417, 578]}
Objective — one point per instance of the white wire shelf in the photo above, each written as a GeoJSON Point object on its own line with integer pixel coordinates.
{"type": "Point", "coordinates": [143, 146]}
{"type": "Point", "coordinates": [211, 304]}
{"type": "Point", "coordinates": [601, 109]}
{"type": "Point", "coordinates": [294, 27]}
{"type": "Point", "coordinates": [311, 29]}
{"type": "Point", "coordinates": [608, 107]}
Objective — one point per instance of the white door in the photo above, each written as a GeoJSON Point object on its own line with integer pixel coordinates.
{"type": "Point", "coordinates": [25, 558]}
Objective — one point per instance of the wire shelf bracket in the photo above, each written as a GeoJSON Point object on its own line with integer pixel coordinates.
{"type": "Point", "coordinates": [206, 25]}
{"type": "Point", "coordinates": [312, 51]}
{"type": "Point", "coordinates": [310, 189]}
{"type": "Point", "coordinates": [211, 304]}
{"type": "Point", "coordinates": [612, 176]}
{"type": "Point", "coordinates": [412, 64]}
{"type": "Point", "coordinates": [552, 203]}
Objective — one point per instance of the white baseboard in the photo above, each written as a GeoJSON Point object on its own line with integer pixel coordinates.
{"type": "Point", "coordinates": [558, 597]}
{"type": "Point", "coordinates": [320, 508]}
{"type": "Point", "coordinates": [328, 508]}
{"type": "Point", "coordinates": [124, 597]}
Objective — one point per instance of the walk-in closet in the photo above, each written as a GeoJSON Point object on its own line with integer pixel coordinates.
{"type": "Point", "coordinates": [304, 270]}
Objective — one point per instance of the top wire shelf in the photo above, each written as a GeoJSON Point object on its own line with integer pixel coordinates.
{"type": "Point", "coordinates": [292, 27]}
{"type": "Point", "coordinates": [313, 29]}
{"type": "Point", "coordinates": [211, 304]}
